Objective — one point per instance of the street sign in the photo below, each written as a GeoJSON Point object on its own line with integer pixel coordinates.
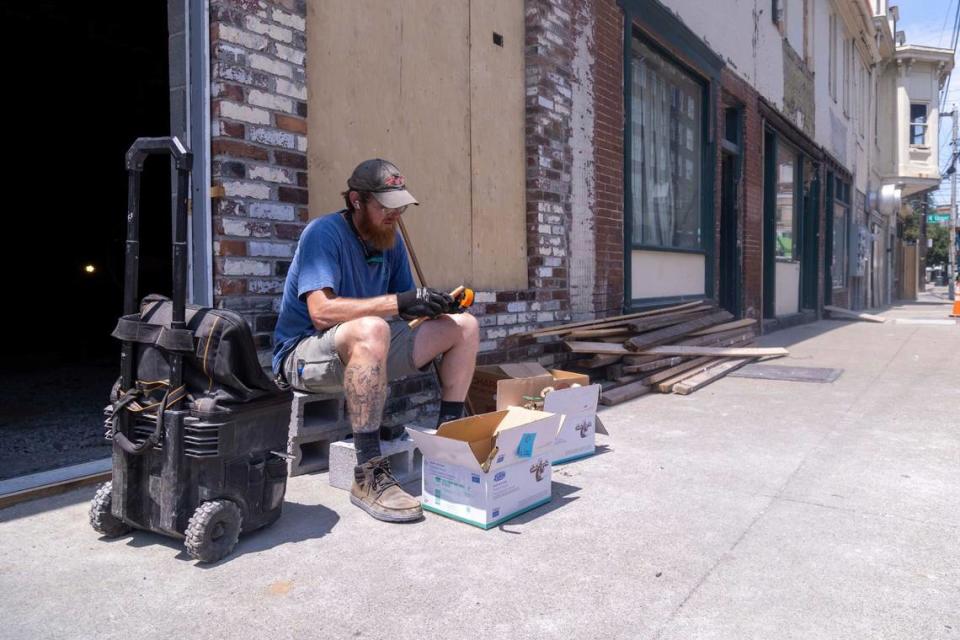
{"type": "Point", "coordinates": [938, 218]}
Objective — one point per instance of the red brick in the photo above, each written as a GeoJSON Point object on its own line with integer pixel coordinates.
{"type": "Point", "coordinates": [233, 129]}
{"type": "Point", "coordinates": [288, 231]}
{"type": "Point", "coordinates": [229, 286]}
{"type": "Point", "coordinates": [225, 147]}
{"type": "Point", "coordinates": [232, 248]}
{"type": "Point", "coordinates": [289, 123]}
{"type": "Point", "coordinates": [290, 159]}
{"type": "Point", "coordinates": [292, 194]}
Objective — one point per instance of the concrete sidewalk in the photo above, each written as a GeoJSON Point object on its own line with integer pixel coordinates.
{"type": "Point", "coordinates": [750, 509]}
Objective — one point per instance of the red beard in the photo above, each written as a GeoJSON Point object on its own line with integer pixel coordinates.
{"type": "Point", "coordinates": [380, 237]}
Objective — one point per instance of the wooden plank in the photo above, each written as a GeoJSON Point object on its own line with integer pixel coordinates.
{"type": "Point", "coordinates": [598, 333]}
{"type": "Point", "coordinates": [633, 359]}
{"type": "Point", "coordinates": [668, 334]}
{"type": "Point", "coordinates": [710, 375]}
{"type": "Point", "coordinates": [613, 371]}
{"type": "Point", "coordinates": [597, 347]}
{"type": "Point", "coordinates": [598, 361]}
{"type": "Point", "coordinates": [660, 376]}
{"type": "Point", "coordinates": [622, 394]}
{"type": "Point", "coordinates": [724, 339]}
{"type": "Point", "coordinates": [852, 315]}
{"type": "Point", "coordinates": [649, 324]}
{"type": "Point", "coordinates": [605, 322]}
{"type": "Point", "coordinates": [667, 385]}
{"type": "Point", "coordinates": [726, 326]}
{"type": "Point", "coordinates": [732, 352]}
{"type": "Point", "coordinates": [659, 363]}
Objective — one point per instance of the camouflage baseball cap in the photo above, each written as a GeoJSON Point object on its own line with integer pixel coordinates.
{"type": "Point", "coordinates": [384, 180]}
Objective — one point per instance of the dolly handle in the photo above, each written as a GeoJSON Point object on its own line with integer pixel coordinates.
{"type": "Point", "coordinates": [139, 151]}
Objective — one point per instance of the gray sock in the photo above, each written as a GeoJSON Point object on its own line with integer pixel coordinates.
{"type": "Point", "coordinates": [367, 446]}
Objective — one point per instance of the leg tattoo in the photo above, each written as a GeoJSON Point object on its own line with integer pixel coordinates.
{"type": "Point", "coordinates": [365, 388]}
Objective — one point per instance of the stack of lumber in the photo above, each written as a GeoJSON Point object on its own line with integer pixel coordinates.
{"type": "Point", "coordinates": [676, 349]}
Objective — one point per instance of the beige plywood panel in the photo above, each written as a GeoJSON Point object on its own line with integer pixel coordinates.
{"type": "Point", "coordinates": [497, 145]}
{"type": "Point", "coordinates": [658, 274]}
{"type": "Point", "coordinates": [787, 283]}
{"type": "Point", "coordinates": [391, 79]}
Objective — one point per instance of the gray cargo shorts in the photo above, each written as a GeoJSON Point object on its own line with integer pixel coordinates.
{"type": "Point", "coordinates": [315, 366]}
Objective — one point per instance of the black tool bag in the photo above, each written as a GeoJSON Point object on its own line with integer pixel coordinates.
{"type": "Point", "coordinates": [220, 365]}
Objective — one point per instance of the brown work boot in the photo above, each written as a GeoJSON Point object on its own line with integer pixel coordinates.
{"type": "Point", "coordinates": [377, 492]}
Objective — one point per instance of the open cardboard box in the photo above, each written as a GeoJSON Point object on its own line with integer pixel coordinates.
{"type": "Point", "coordinates": [502, 386]}
{"type": "Point", "coordinates": [488, 468]}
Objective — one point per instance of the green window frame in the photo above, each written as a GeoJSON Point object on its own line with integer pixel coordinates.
{"type": "Point", "coordinates": [840, 244]}
{"type": "Point", "coordinates": [788, 202]}
{"type": "Point", "coordinates": [657, 27]}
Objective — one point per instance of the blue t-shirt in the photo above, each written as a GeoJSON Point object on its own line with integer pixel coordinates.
{"type": "Point", "coordinates": [329, 254]}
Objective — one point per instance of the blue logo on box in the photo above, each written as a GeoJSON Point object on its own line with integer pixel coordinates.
{"type": "Point", "coordinates": [500, 458]}
{"type": "Point", "coordinates": [525, 448]}
{"type": "Point", "coordinates": [475, 478]}
{"type": "Point", "coordinates": [500, 476]}
{"type": "Point", "coordinates": [496, 513]}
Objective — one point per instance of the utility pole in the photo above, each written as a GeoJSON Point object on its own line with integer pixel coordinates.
{"type": "Point", "coordinates": [952, 235]}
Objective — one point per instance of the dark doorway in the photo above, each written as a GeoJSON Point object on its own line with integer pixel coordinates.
{"type": "Point", "coordinates": [729, 294]}
{"type": "Point", "coordinates": [91, 78]}
{"type": "Point", "coordinates": [810, 242]}
{"type": "Point", "coordinates": [769, 223]}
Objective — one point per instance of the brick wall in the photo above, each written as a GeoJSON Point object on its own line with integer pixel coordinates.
{"type": "Point", "coordinates": [553, 30]}
{"type": "Point", "coordinates": [258, 57]}
{"type": "Point", "coordinates": [608, 151]}
{"type": "Point", "coordinates": [258, 151]}
{"type": "Point", "coordinates": [738, 93]}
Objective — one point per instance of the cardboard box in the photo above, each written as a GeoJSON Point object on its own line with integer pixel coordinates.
{"type": "Point", "coordinates": [509, 383]}
{"type": "Point", "coordinates": [488, 468]}
{"type": "Point", "coordinates": [485, 386]}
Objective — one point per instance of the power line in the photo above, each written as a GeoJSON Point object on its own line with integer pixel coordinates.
{"type": "Point", "coordinates": [953, 47]}
{"type": "Point", "coordinates": [944, 27]}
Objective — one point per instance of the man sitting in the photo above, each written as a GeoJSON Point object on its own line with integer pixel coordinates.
{"type": "Point", "coordinates": [348, 275]}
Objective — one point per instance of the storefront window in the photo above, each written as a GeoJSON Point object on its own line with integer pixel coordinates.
{"type": "Point", "coordinates": [841, 222]}
{"type": "Point", "coordinates": [786, 248]}
{"type": "Point", "coordinates": [666, 144]}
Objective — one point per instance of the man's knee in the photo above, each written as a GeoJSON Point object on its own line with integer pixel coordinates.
{"type": "Point", "coordinates": [369, 336]}
{"type": "Point", "coordinates": [469, 327]}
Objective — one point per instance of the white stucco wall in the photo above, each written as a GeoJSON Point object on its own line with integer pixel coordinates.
{"type": "Point", "coordinates": [743, 34]}
{"type": "Point", "coordinates": [793, 23]}
{"type": "Point", "coordinates": [583, 174]}
{"type": "Point", "coordinates": [888, 134]}
{"type": "Point", "coordinates": [834, 128]}
{"type": "Point", "coordinates": [917, 83]}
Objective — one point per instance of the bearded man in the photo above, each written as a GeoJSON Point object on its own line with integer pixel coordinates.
{"type": "Point", "coordinates": [350, 273]}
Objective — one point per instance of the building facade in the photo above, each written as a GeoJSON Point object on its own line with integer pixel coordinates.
{"type": "Point", "coordinates": [574, 159]}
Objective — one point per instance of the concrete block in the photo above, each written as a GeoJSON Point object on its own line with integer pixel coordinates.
{"type": "Point", "coordinates": [406, 460]}
{"type": "Point", "coordinates": [314, 413]}
{"type": "Point", "coordinates": [316, 421]}
{"type": "Point", "coordinates": [312, 452]}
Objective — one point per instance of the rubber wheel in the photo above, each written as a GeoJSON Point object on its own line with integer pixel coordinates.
{"type": "Point", "coordinates": [101, 517]}
{"type": "Point", "coordinates": [213, 530]}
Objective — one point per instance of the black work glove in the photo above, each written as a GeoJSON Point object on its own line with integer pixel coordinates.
{"type": "Point", "coordinates": [421, 302]}
{"type": "Point", "coordinates": [454, 306]}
